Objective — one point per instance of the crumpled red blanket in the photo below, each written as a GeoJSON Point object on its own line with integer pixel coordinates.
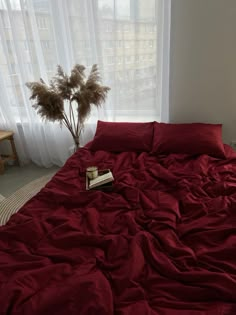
{"type": "Point", "coordinates": [163, 242]}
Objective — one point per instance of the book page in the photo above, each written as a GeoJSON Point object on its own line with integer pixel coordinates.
{"type": "Point", "coordinates": [101, 178]}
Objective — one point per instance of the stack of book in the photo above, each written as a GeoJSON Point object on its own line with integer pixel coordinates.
{"type": "Point", "coordinates": [102, 182]}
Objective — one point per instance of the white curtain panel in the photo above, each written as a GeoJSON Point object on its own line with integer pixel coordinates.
{"type": "Point", "coordinates": [128, 39]}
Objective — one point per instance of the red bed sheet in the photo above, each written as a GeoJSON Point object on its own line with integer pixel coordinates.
{"type": "Point", "coordinates": [163, 242]}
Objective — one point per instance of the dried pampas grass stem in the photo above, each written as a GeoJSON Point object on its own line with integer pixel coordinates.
{"type": "Point", "coordinates": [69, 98]}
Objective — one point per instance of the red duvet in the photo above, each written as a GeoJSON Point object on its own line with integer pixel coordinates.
{"type": "Point", "coordinates": [163, 242]}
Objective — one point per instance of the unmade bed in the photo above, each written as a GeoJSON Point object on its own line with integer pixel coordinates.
{"type": "Point", "coordinates": [162, 242]}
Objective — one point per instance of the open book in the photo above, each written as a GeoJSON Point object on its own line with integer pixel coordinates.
{"type": "Point", "coordinates": [104, 178]}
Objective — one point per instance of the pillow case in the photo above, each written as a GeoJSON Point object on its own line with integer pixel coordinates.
{"type": "Point", "coordinates": [190, 138]}
{"type": "Point", "coordinates": [123, 136]}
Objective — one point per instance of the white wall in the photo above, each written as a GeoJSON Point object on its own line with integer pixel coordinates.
{"type": "Point", "coordinates": [203, 63]}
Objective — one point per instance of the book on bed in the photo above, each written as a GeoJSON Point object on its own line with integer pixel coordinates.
{"type": "Point", "coordinates": [103, 181]}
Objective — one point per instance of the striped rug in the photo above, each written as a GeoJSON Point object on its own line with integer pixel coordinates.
{"type": "Point", "coordinates": [10, 205]}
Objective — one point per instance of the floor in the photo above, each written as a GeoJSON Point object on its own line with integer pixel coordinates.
{"type": "Point", "coordinates": [15, 177]}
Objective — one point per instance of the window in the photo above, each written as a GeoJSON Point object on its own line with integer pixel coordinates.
{"type": "Point", "coordinates": [26, 46]}
{"type": "Point", "coordinates": [12, 68]}
{"type": "Point", "coordinates": [41, 22]}
{"type": "Point", "coordinates": [45, 44]}
{"type": "Point", "coordinates": [9, 44]}
{"type": "Point", "coordinates": [109, 44]}
{"type": "Point", "coordinates": [50, 66]}
{"type": "Point", "coordinates": [29, 68]}
{"type": "Point", "coordinates": [89, 61]}
{"type": "Point", "coordinates": [119, 27]}
{"type": "Point", "coordinates": [6, 21]}
{"type": "Point", "coordinates": [110, 60]}
{"type": "Point", "coordinates": [127, 28]}
{"type": "Point", "coordinates": [108, 27]}
{"type": "Point", "coordinates": [127, 44]}
{"type": "Point", "coordinates": [128, 59]}
{"type": "Point", "coordinates": [119, 44]}
{"type": "Point", "coordinates": [141, 58]}
{"type": "Point", "coordinates": [86, 44]}
{"type": "Point", "coordinates": [138, 73]}
{"type": "Point", "coordinates": [147, 28]}
{"type": "Point", "coordinates": [122, 37]}
{"type": "Point", "coordinates": [151, 28]}
{"type": "Point", "coordinates": [140, 28]}
{"type": "Point", "coordinates": [119, 60]}
{"type": "Point", "coordinates": [131, 74]}
{"type": "Point", "coordinates": [120, 75]}
{"type": "Point", "coordinates": [123, 9]}
{"type": "Point", "coordinates": [150, 43]}
{"type": "Point", "coordinates": [106, 8]}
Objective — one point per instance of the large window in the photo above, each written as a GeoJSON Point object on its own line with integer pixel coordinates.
{"type": "Point", "coordinates": [122, 36]}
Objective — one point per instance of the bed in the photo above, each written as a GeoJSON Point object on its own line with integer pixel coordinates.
{"type": "Point", "coordinates": [162, 242]}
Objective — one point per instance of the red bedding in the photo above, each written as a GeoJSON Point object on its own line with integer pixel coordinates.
{"type": "Point", "coordinates": [163, 242]}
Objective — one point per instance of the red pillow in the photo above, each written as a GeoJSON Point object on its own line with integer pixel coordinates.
{"type": "Point", "coordinates": [192, 139]}
{"type": "Point", "coordinates": [123, 136]}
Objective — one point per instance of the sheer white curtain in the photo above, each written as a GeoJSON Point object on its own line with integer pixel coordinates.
{"type": "Point", "coordinates": [128, 39]}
